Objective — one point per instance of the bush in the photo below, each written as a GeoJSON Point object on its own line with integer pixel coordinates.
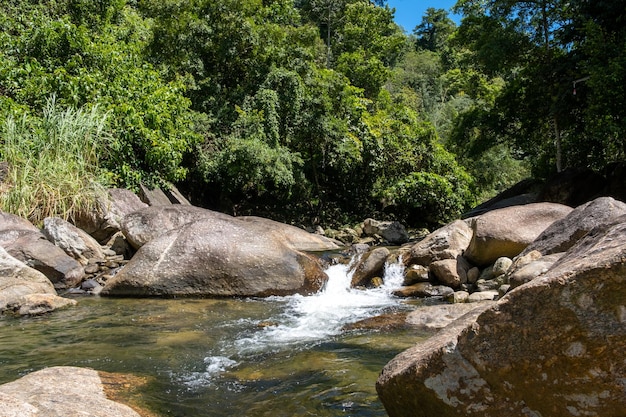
{"type": "Point", "coordinates": [53, 162]}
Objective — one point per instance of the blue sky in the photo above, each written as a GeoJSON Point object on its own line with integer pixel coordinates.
{"type": "Point", "coordinates": [409, 12]}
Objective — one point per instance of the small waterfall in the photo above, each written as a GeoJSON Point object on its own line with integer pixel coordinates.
{"type": "Point", "coordinates": [309, 320]}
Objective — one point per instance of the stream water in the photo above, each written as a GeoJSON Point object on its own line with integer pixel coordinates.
{"type": "Point", "coordinates": [282, 356]}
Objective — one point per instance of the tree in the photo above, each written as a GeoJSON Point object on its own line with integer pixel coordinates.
{"type": "Point", "coordinates": [434, 30]}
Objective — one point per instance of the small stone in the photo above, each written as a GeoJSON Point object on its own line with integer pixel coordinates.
{"type": "Point", "coordinates": [472, 275]}
{"type": "Point", "coordinates": [458, 297]}
{"type": "Point", "coordinates": [482, 296]}
{"type": "Point", "coordinates": [92, 269]}
{"type": "Point", "coordinates": [377, 282]}
{"type": "Point", "coordinates": [415, 274]}
{"type": "Point", "coordinates": [501, 266]}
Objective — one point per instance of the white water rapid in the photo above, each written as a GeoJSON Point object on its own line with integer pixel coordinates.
{"type": "Point", "coordinates": [304, 321]}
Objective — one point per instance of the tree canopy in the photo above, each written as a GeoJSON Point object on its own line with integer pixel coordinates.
{"type": "Point", "coordinates": [324, 110]}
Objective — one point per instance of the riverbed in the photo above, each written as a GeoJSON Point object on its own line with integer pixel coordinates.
{"type": "Point", "coordinates": [282, 356]}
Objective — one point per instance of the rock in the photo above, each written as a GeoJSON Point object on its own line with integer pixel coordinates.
{"type": "Point", "coordinates": [155, 197]}
{"type": "Point", "coordinates": [392, 232]}
{"type": "Point", "coordinates": [487, 285]}
{"type": "Point", "coordinates": [11, 222]}
{"type": "Point", "coordinates": [508, 231]}
{"type": "Point", "coordinates": [551, 347]}
{"type": "Point", "coordinates": [459, 297]}
{"type": "Point", "coordinates": [105, 220]}
{"type": "Point", "coordinates": [60, 391]}
{"type": "Point", "coordinates": [479, 296]}
{"type": "Point", "coordinates": [18, 280]}
{"type": "Point", "coordinates": [501, 265]}
{"type": "Point", "coordinates": [217, 257]}
{"type": "Point", "coordinates": [472, 275]}
{"type": "Point", "coordinates": [37, 304]}
{"type": "Point", "coordinates": [451, 272]}
{"type": "Point", "coordinates": [36, 251]}
{"type": "Point", "coordinates": [144, 225]}
{"type": "Point", "coordinates": [74, 241]}
{"type": "Point", "coordinates": [564, 233]}
{"type": "Point", "coordinates": [371, 264]}
{"type": "Point", "coordinates": [447, 242]}
{"type": "Point", "coordinates": [415, 274]}
{"type": "Point", "coordinates": [297, 238]}
{"type": "Point", "coordinates": [531, 270]}
{"type": "Point", "coordinates": [440, 316]}
{"type": "Point", "coordinates": [424, 289]}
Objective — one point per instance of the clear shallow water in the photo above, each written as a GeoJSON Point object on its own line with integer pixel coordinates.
{"type": "Point", "coordinates": [283, 356]}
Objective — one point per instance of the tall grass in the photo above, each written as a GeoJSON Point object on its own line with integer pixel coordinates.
{"type": "Point", "coordinates": [52, 160]}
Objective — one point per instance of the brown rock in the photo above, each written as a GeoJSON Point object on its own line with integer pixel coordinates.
{"type": "Point", "coordinates": [217, 257]}
{"type": "Point", "coordinates": [447, 242]}
{"type": "Point", "coordinates": [508, 231]}
{"type": "Point", "coordinates": [451, 272]}
{"type": "Point", "coordinates": [371, 265]}
{"type": "Point", "coordinates": [415, 274]}
{"type": "Point", "coordinates": [552, 347]}
{"type": "Point", "coordinates": [424, 289]}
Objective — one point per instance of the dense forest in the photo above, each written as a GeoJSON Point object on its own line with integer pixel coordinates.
{"type": "Point", "coordinates": [306, 111]}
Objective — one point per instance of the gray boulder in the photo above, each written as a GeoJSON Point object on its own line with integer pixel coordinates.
{"type": "Point", "coordinates": [551, 347]}
{"type": "Point", "coordinates": [371, 265]}
{"type": "Point", "coordinates": [105, 220]}
{"type": "Point", "coordinates": [60, 392]}
{"type": "Point", "coordinates": [32, 248]}
{"type": "Point", "coordinates": [442, 315]}
{"type": "Point", "coordinates": [25, 290]}
{"type": "Point", "coordinates": [527, 271]}
{"type": "Point", "coordinates": [74, 241]}
{"type": "Point", "coordinates": [144, 225]}
{"type": "Point", "coordinates": [447, 242]}
{"type": "Point", "coordinates": [393, 232]}
{"type": "Point", "coordinates": [564, 233]}
{"type": "Point", "coordinates": [217, 256]}
{"type": "Point", "coordinates": [508, 231]}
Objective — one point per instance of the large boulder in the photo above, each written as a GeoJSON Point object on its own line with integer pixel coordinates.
{"type": "Point", "coordinates": [32, 248]}
{"type": "Point", "coordinates": [371, 265]}
{"type": "Point", "coordinates": [564, 233]}
{"type": "Point", "coordinates": [508, 231]}
{"type": "Point", "coordinates": [25, 290]}
{"type": "Point", "coordinates": [104, 221]}
{"type": "Point", "coordinates": [447, 242]}
{"type": "Point", "coordinates": [217, 257]}
{"type": "Point", "coordinates": [144, 225]}
{"type": "Point", "coordinates": [552, 347]}
{"type": "Point", "coordinates": [60, 392]}
{"type": "Point", "coordinates": [393, 232]}
{"type": "Point", "coordinates": [74, 241]}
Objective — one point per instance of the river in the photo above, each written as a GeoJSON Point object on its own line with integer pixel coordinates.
{"type": "Point", "coordinates": [282, 356]}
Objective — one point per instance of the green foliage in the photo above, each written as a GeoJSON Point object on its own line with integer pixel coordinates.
{"type": "Point", "coordinates": [53, 162]}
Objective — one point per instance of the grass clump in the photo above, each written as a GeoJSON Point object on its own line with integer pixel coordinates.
{"type": "Point", "coordinates": [52, 163]}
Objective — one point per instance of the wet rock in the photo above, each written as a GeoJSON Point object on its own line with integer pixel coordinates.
{"type": "Point", "coordinates": [372, 264]}
{"type": "Point", "coordinates": [38, 304]}
{"type": "Point", "coordinates": [447, 242]}
{"type": "Point", "coordinates": [59, 391]}
{"type": "Point", "coordinates": [507, 232]}
{"type": "Point", "coordinates": [458, 297]}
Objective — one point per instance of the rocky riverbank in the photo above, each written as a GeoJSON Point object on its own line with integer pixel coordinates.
{"type": "Point", "coordinates": [550, 266]}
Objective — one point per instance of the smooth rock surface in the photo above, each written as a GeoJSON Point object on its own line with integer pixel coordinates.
{"type": "Point", "coordinates": [564, 233]}
{"type": "Point", "coordinates": [74, 241]}
{"type": "Point", "coordinates": [60, 392]}
{"type": "Point", "coordinates": [507, 232]}
{"type": "Point", "coordinates": [447, 242]}
{"type": "Point", "coordinates": [217, 257]}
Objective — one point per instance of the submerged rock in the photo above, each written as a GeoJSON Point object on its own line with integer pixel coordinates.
{"type": "Point", "coordinates": [60, 391]}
